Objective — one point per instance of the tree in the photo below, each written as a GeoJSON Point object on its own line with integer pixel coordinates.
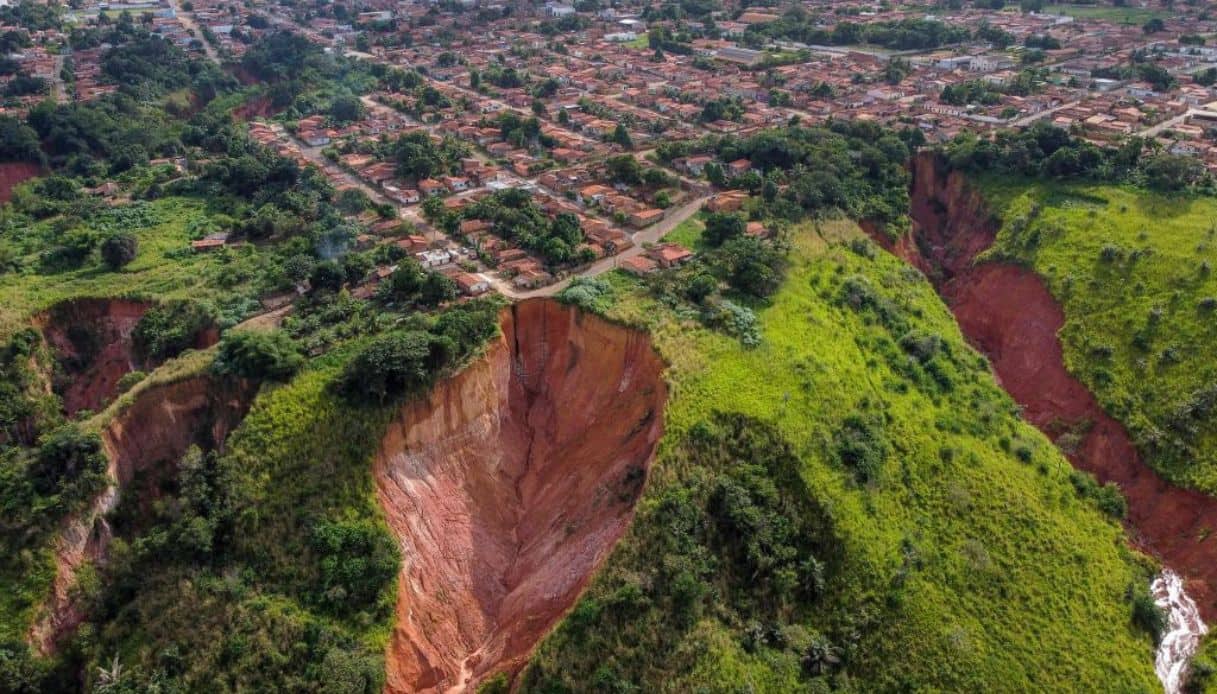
{"type": "Point", "coordinates": [1153, 26]}
{"type": "Point", "coordinates": [538, 107]}
{"type": "Point", "coordinates": [298, 267]}
{"type": "Point", "coordinates": [271, 355]}
{"type": "Point", "coordinates": [327, 276]}
{"type": "Point", "coordinates": [436, 289]}
{"type": "Point", "coordinates": [624, 168]}
{"type": "Point", "coordinates": [722, 227]}
{"type": "Point", "coordinates": [119, 250]}
{"type": "Point", "coordinates": [347, 109]}
{"type": "Point", "coordinates": [394, 364]}
{"type": "Point", "coordinates": [621, 136]}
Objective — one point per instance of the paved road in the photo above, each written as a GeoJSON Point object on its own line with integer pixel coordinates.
{"type": "Point", "coordinates": [649, 235]}
{"type": "Point", "coordinates": [1028, 120]}
{"type": "Point", "coordinates": [1177, 120]}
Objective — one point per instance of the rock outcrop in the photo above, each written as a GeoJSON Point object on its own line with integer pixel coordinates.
{"type": "Point", "coordinates": [508, 485]}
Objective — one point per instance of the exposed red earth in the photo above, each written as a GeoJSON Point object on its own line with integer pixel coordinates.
{"type": "Point", "coordinates": [155, 430]}
{"type": "Point", "coordinates": [1007, 312]}
{"type": "Point", "coordinates": [13, 173]}
{"type": "Point", "coordinates": [91, 340]}
{"type": "Point", "coordinates": [508, 485]}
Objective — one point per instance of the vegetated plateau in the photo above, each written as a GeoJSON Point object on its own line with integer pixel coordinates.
{"type": "Point", "coordinates": [780, 466]}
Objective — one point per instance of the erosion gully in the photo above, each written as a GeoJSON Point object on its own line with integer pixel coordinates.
{"type": "Point", "coordinates": [1007, 312]}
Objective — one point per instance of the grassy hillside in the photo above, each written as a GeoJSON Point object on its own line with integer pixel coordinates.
{"type": "Point", "coordinates": [1134, 274]}
{"type": "Point", "coordinates": [853, 503]}
{"type": "Point", "coordinates": [165, 267]}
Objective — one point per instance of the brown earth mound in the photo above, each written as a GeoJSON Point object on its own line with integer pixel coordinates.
{"type": "Point", "coordinates": [156, 429]}
{"type": "Point", "coordinates": [1008, 313]}
{"type": "Point", "coordinates": [508, 486]}
{"type": "Point", "coordinates": [13, 173]}
{"type": "Point", "coordinates": [91, 339]}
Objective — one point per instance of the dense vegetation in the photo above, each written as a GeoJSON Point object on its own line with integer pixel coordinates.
{"type": "Point", "coordinates": [1044, 150]}
{"type": "Point", "coordinates": [905, 34]}
{"type": "Point", "coordinates": [824, 513]}
{"type": "Point", "coordinates": [850, 168]}
{"type": "Point", "coordinates": [1133, 272]}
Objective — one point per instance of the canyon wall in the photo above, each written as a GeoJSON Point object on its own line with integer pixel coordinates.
{"type": "Point", "coordinates": [157, 428]}
{"type": "Point", "coordinates": [1007, 312]}
{"type": "Point", "coordinates": [508, 485]}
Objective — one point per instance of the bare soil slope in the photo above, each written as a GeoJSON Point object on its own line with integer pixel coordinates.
{"type": "Point", "coordinates": [508, 486]}
{"type": "Point", "coordinates": [1008, 313]}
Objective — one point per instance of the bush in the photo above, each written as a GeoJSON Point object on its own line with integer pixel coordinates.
{"type": "Point", "coordinates": [861, 447]}
{"type": "Point", "coordinates": [1146, 615]}
{"type": "Point", "coordinates": [69, 462]}
{"type": "Point", "coordinates": [271, 355]}
{"type": "Point", "coordinates": [357, 560]}
{"type": "Point", "coordinates": [394, 364]}
{"type": "Point", "coordinates": [119, 250]}
{"type": "Point", "coordinates": [169, 329]}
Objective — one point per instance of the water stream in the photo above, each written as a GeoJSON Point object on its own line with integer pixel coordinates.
{"type": "Point", "coordinates": [1184, 629]}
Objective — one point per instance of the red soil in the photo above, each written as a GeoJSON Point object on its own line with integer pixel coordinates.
{"type": "Point", "coordinates": [157, 428]}
{"type": "Point", "coordinates": [257, 107]}
{"type": "Point", "coordinates": [14, 172]}
{"type": "Point", "coordinates": [1007, 312]}
{"type": "Point", "coordinates": [508, 486]}
{"type": "Point", "coordinates": [92, 379]}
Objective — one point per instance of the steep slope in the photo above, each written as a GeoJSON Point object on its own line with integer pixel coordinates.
{"type": "Point", "coordinates": [508, 485]}
{"type": "Point", "coordinates": [852, 504]}
{"type": "Point", "coordinates": [156, 426]}
{"type": "Point", "coordinates": [1008, 312]}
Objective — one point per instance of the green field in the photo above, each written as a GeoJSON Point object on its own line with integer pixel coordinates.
{"type": "Point", "coordinates": [688, 232]}
{"type": "Point", "coordinates": [165, 267]}
{"type": "Point", "coordinates": [965, 561]}
{"type": "Point", "coordinates": [1109, 13]}
{"type": "Point", "coordinates": [1134, 273]}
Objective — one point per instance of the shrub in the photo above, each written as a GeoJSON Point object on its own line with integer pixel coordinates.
{"type": "Point", "coordinates": [271, 355]}
{"type": "Point", "coordinates": [357, 559]}
{"type": "Point", "coordinates": [119, 250]}
{"type": "Point", "coordinates": [861, 447]}
{"type": "Point", "coordinates": [167, 330]}
{"type": "Point", "coordinates": [1146, 615]}
{"type": "Point", "coordinates": [129, 379]}
{"type": "Point", "coordinates": [69, 462]}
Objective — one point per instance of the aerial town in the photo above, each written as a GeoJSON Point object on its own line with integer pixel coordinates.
{"type": "Point", "coordinates": [598, 83]}
{"type": "Point", "coordinates": [614, 346]}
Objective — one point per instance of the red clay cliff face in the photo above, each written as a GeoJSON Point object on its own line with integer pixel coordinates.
{"type": "Point", "coordinates": [1008, 313]}
{"type": "Point", "coordinates": [13, 173]}
{"type": "Point", "coordinates": [508, 486]}
{"type": "Point", "coordinates": [91, 339]}
{"type": "Point", "coordinates": [157, 428]}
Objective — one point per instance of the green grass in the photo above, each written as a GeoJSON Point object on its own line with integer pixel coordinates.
{"type": "Point", "coordinates": [688, 233]}
{"type": "Point", "coordinates": [1109, 13]}
{"type": "Point", "coordinates": [1134, 274]}
{"type": "Point", "coordinates": [163, 269]}
{"type": "Point", "coordinates": [641, 42]}
{"type": "Point", "coordinates": [969, 565]}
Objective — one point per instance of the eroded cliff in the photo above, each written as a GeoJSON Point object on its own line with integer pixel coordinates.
{"type": "Point", "coordinates": [1008, 313]}
{"type": "Point", "coordinates": [508, 485]}
{"type": "Point", "coordinates": [91, 339]}
{"type": "Point", "coordinates": [155, 429]}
